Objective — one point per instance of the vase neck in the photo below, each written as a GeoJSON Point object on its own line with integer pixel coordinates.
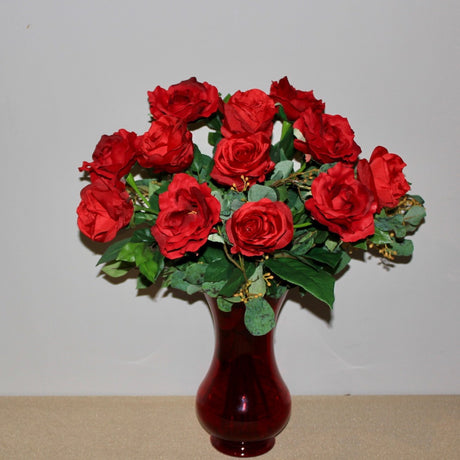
{"type": "Point", "coordinates": [233, 340]}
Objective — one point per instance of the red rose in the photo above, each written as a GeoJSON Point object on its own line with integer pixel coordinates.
{"type": "Point", "coordinates": [327, 138]}
{"type": "Point", "coordinates": [342, 203]}
{"type": "Point", "coordinates": [248, 112]}
{"type": "Point", "coordinates": [294, 101]}
{"type": "Point", "coordinates": [188, 212]}
{"type": "Point", "coordinates": [188, 100]}
{"type": "Point", "coordinates": [383, 175]}
{"type": "Point", "coordinates": [260, 227]}
{"type": "Point", "coordinates": [242, 157]}
{"type": "Point", "coordinates": [166, 147]}
{"type": "Point", "coordinates": [113, 156]}
{"type": "Point", "coordinates": [104, 209]}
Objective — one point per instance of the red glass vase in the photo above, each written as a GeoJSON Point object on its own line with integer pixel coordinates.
{"type": "Point", "coordinates": [243, 402]}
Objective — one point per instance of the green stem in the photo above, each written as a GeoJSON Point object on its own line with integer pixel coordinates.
{"type": "Point", "coordinates": [305, 224]}
{"type": "Point", "coordinates": [132, 183]}
{"type": "Point", "coordinates": [302, 167]}
{"type": "Point", "coordinates": [242, 266]}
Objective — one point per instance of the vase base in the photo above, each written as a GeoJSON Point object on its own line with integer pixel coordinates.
{"type": "Point", "coordinates": [243, 448]}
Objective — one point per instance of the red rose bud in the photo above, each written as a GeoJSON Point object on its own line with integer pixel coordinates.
{"type": "Point", "coordinates": [383, 175]}
{"type": "Point", "coordinates": [294, 101]}
{"type": "Point", "coordinates": [327, 138]}
{"type": "Point", "coordinates": [260, 227]}
{"type": "Point", "coordinates": [166, 147]}
{"type": "Point", "coordinates": [104, 209]}
{"type": "Point", "coordinates": [188, 213]}
{"type": "Point", "coordinates": [342, 203]}
{"type": "Point", "coordinates": [248, 112]}
{"type": "Point", "coordinates": [113, 156]}
{"type": "Point", "coordinates": [242, 161]}
{"type": "Point", "coordinates": [188, 100]}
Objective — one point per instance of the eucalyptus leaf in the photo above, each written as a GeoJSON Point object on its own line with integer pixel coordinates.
{"type": "Point", "coordinates": [381, 237]}
{"type": "Point", "coordinates": [259, 317]}
{"type": "Point", "coordinates": [216, 238]}
{"type": "Point", "coordinates": [257, 192]}
{"type": "Point", "coordinates": [404, 248]}
{"type": "Point", "coordinates": [282, 170]}
{"type": "Point", "coordinates": [414, 217]}
{"type": "Point", "coordinates": [194, 273]}
{"type": "Point", "coordinates": [258, 286]}
{"type": "Point", "coordinates": [224, 305]}
{"type": "Point", "coordinates": [213, 288]}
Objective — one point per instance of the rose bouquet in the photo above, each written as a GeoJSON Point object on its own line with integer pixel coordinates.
{"type": "Point", "coordinates": [253, 218]}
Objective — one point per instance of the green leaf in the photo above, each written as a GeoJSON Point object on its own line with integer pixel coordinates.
{"type": "Point", "coordinates": [143, 217]}
{"type": "Point", "coordinates": [212, 253]}
{"type": "Point", "coordinates": [214, 138]}
{"type": "Point", "coordinates": [390, 223]}
{"type": "Point", "coordinates": [414, 217]}
{"type": "Point", "coordinates": [236, 279]}
{"type": "Point", "coordinates": [234, 283]}
{"type": "Point", "coordinates": [130, 251]}
{"type": "Point", "coordinates": [176, 281]}
{"type": "Point", "coordinates": [112, 251]}
{"type": "Point", "coordinates": [403, 249]}
{"type": "Point", "coordinates": [214, 122]}
{"type": "Point", "coordinates": [116, 269]}
{"type": "Point", "coordinates": [324, 256]}
{"type": "Point", "coordinates": [318, 283]}
{"type": "Point", "coordinates": [149, 263]}
{"type": "Point", "coordinates": [284, 149]}
{"type": "Point", "coordinates": [258, 285]}
{"type": "Point", "coordinates": [281, 112]}
{"type": "Point", "coordinates": [302, 243]}
{"type": "Point", "coordinates": [287, 140]}
{"type": "Point", "coordinates": [152, 264]}
{"type": "Point", "coordinates": [259, 317]}
{"type": "Point", "coordinates": [201, 165]}
{"type": "Point", "coordinates": [216, 238]}
{"type": "Point", "coordinates": [360, 245]}
{"type": "Point", "coordinates": [213, 288]}
{"type": "Point", "coordinates": [143, 235]}
{"type": "Point", "coordinates": [417, 198]}
{"type": "Point", "coordinates": [194, 273]}
{"type": "Point", "coordinates": [282, 170]}
{"type": "Point", "coordinates": [257, 192]}
{"type": "Point", "coordinates": [220, 269]}
{"type": "Point", "coordinates": [343, 262]}
{"type": "Point", "coordinates": [381, 237]}
{"type": "Point", "coordinates": [224, 305]}
{"type": "Point", "coordinates": [321, 236]}
{"type": "Point", "coordinates": [143, 282]}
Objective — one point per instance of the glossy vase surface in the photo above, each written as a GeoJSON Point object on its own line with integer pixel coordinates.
{"type": "Point", "coordinates": [243, 402]}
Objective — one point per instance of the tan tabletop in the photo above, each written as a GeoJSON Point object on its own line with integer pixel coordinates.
{"type": "Point", "coordinates": [321, 427]}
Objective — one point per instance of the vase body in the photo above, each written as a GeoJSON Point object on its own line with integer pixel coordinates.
{"type": "Point", "coordinates": [243, 402]}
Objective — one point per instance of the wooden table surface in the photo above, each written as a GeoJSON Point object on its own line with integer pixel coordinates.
{"type": "Point", "coordinates": [165, 428]}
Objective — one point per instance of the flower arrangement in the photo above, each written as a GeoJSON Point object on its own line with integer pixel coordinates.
{"type": "Point", "coordinates": [256, 217]}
